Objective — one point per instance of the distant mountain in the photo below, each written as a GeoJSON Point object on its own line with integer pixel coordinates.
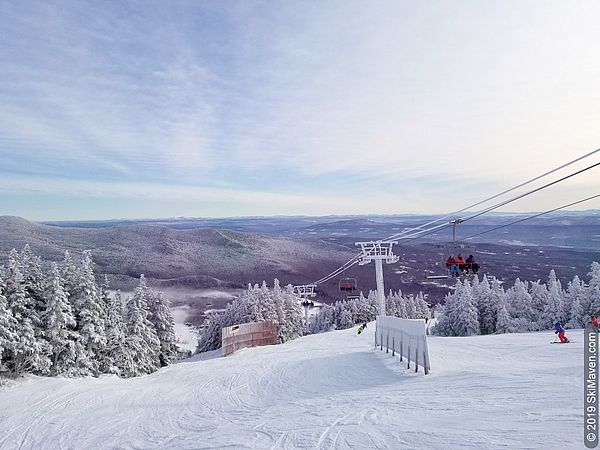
{"type": "Point", "coordinates": [200, 257]}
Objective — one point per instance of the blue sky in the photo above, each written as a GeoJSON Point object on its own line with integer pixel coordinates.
{"type": "Point", "coordinates": [153, 109]}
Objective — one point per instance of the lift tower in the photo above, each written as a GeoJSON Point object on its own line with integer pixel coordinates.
{"type": "Point", "coordinates": [378, 251]}
{"type": "Point", "coordinates": [305, 292]}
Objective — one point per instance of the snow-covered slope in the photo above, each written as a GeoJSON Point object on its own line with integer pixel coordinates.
{"type": "Point", "coordinates": [331, 390]}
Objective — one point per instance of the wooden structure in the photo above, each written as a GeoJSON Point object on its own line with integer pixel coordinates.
{"type": "Point", "coordinates": [245, 335]}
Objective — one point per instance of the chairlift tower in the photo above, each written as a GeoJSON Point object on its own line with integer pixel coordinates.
{"type": "Point", "coordinates": [304, 292]}
{"type": "Point", "coordinates": [378, 251]}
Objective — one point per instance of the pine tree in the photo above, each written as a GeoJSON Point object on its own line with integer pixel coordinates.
{"type": "Point", "coordinates": [502, 320]}
{"type": "Point", "coordinates": [30, 353]}
{"type": "Point", "coordinates": [34, 282]}
{"type": "Point", "coordinates": [59, 324]}
{"type": "Point", "coordinates": [465, 322]}
{"type": "Point", "coordinates": [8, 331]}
{"type": "Point", "coordinates": [553, 310]}
{"type": "Point", "coordinates": [69, 274]}
{"type": "Point", "coordinates": [118, 359]}
{"type": "Point", "coordinates": [520, 301]}
{"type": "Point", "coordinates": [143, 343]}
{"type": "Point", "coordinates": [294, 324]}
{"type": "Point", "coordinates": [593, 290]}
{"type": "Point", "coordinates": [324, 320]}
{"type": "Point", "coordinates": [539, 299]}
{"type": "Point", "coordinates": [90, 314]}
{"type": "Point", "coordinates": [346, 319]}
{"type": "Point", "coordinates": [162, 319]}
{"type": "Point", "coordinates": [421, 307]}
{"type": "Point", "coordinates": [576, 302]}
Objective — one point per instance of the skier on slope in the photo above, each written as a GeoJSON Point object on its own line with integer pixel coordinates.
{"type": "Point", "coordinates": [558, 329]}
{"type": "Point", "coordinates": [594, 321]}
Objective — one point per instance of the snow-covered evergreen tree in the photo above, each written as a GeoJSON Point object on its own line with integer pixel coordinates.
{"type": "Point", "coordinates": [90, 314]}
{"type": "Point", "coordinates": [487, 305]}
{"type": "Point", "coordinates": [553, 310]}
{"type": "Point", "coordinates": [421, 307]}
{"type": "Point", "coordinates": [539, 299]}
{"type": "Point", "coordinates": [30, 353]}
{"type": "Point", "coordinates": [466, 321]}
{"type": "Point", "coordinates": [575, 299]}
{"type": "Point", "coordinates": [8, 331]}
{"type": "Point", "coordinates": [294, 322]}
{"type": "Point", "coordinates": [502, 320]}
{"type": "Point", "coordinates": [162, 319]}
{"type": "Point", "coordinates": [593, 290]}
{"type": "Point", "coordinates": [142, 340]}
{"type": "Point", "coordinates": [346, 320]}
{"type": "Point", "coordinates": [59, 322]}
{"type": "Point", "coordinates": [69, 274]}
{"type": "Point", "coordinates": [34, 282]}
{"type": "Point", "coordinates": [118, 360]}
{"type": "Point", "coordinates": [459, 316]}
{"type": "Point", "coordinates": [324, 320]}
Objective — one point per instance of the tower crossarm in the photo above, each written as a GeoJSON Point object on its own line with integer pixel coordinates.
{"type": "Point", "coordinates": [373, 250]}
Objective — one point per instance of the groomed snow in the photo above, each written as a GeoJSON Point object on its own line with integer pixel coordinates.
{"type": "Point", "coordinates": [331, 390]}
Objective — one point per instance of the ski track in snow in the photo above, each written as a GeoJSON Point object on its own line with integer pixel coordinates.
{"type": "Point", "coordinates": [326, 391]}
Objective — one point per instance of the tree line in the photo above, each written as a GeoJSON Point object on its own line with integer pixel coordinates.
{"type": "Point", "coordinates": [281, 307]}
{"type": "Point", "coordinates": [486, 307]}
{"type": "Point", "coordinates": [56, 319]}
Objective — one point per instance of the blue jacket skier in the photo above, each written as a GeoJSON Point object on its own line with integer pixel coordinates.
{"type": "Point", "coordinates": [558, 329]}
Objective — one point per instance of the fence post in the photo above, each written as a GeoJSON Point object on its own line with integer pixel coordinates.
{"type": "Point", "coordinates": [417, 359]}
{"type": "Point", "coordinates": [375, 334]}
{"type": "Point", "coordinates": [393, 346]}
{"type": "Point", "coordinates": [401, 345]}
{"type": "Point", "coordinates": [408, 355]}
{"type": "Point", "coordinates": [387, 342]}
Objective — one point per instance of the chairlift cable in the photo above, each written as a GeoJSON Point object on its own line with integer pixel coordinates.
{"type": "Point", "coordinates": [533, 216]}
{"type": "Point", "coordinates": [419, 232]}
{"type": "Point", "coordinates": [452, 214]}
{"type": "Point", "coordinates": [520, 196]}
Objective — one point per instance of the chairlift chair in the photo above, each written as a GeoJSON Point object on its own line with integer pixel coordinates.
{"type": "Point", "coordinates": [453, 249]}
{"type": "Point", "coordinates": [348, 284]}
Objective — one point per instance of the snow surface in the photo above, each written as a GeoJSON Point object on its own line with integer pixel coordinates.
{"type": "Point", "coordinates": [187, 338]}
{"type": "Point", "coordinates": [331, 390]}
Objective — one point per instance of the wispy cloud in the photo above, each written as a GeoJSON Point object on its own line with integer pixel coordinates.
{"type": "Point", "coordinates": [402, 105]}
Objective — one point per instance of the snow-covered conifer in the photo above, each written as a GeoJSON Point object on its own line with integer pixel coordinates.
{"type": "Point", "coordinates": [118, 359]}
{"type": "Point", "coordinates": [90, 314]}
{"type": "Point", "coordinates": [142, 340]}
{"type": "Point", "coordinates": [553, 310]}
{"type": "Point", "coordinates": [162, 319]}
{"type": "Point", "coordinates": [502, 320]}
{"type": "Point", "coordinates": [8, 330]}
{"type": "Point", "coordinates": [593, 290]}
{"type": "Point", "coordinates": [30, 351]}
{"type": "Point", "coordinates": [59, 323]}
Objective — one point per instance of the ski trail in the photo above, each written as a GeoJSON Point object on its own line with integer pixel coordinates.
{"type": "Point", "coordinates": [323, 391]}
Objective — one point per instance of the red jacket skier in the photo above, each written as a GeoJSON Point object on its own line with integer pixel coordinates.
{"type": "Point", "coordinates": [594, 320]}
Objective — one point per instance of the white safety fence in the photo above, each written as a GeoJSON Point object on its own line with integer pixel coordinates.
{"type": "Point", "coordinates": [407, 337]}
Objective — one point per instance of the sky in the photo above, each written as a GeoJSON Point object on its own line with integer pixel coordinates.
{"type": "Point", "coordinates": [149, 109]}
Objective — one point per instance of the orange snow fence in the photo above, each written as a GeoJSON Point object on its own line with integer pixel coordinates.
{"type": "Point", "coordinates": [245, 335]}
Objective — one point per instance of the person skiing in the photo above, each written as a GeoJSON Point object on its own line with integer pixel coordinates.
{"type": "Point", "coordinates": [364, 325]}
{"type": "Point", "coordinates": [558, 329]}
{"type": "Point", "coordinates": [594, 321]}
{"type": "Point", "coordinates": [360, 329]}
